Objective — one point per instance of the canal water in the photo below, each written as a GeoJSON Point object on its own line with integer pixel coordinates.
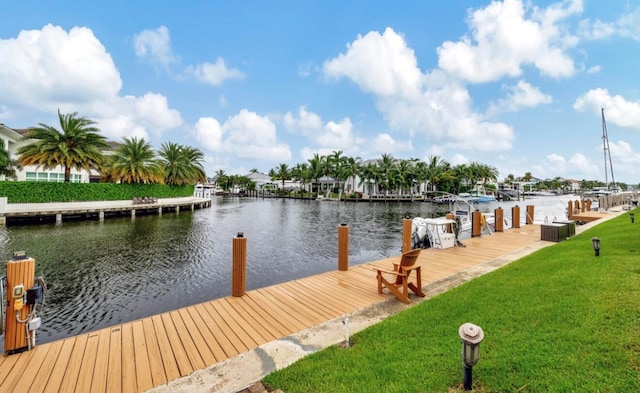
{"type": "Point", "coordinates": [100, 274]}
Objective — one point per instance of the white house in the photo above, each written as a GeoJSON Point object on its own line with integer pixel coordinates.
{"type": "Point", "coordinates": [13, 141]}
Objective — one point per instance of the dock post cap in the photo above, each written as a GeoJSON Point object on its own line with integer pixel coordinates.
{"type": "Point", "coordinates": [19, 255]}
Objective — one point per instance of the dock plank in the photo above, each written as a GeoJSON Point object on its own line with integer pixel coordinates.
{"type": "Point", "coordinates": [156, 363]}
{"type": "Point", "coordinates": [83, 383]}
{"type": "Point", "coordinates": [70, 378]}
{"type": "Point", "coordinates": [46, 367]}
{"type": "Point", "coordinates": [54, 383]}
{"type": "Point", "coordinates": [144, 380]}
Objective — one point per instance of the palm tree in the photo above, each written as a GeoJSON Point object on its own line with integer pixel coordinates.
{"type": "Point", "coordinates": [350, 169]}
{"type": "Point", "coordinates": [403, 174]}
{"type": "Point", "coordinates": [385, 163]}
{"type": "Point", "coordinates": [282, 173]}
{"type": "Point", "coordinates": [300, 172]}
{"type": "Point", "coordinates": [436, 169]}
{"type": "Point", "coordinates": [317, 166]}
{"type": "Point", "coordinates": [8, 165]}
{"type": "Point", "coordinates": [222, 179]}
{"type": "Point", "coordinates": [368, 174]}
{"type": "Point", "coordinates": [135, 162]}
{"type": "Point", "coordinates": [78, 146]}
{"type": "Point", "coordinates": [335, 162]}
{"type": "Point", "coordinates": [183, 164]}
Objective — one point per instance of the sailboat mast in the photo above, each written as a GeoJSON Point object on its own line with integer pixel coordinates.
{"type": "Point", "coordinates": [607, 153]}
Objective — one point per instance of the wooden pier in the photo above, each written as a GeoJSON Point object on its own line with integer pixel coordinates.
{"type": "Point", "coordinates": [139, 355]}
{"type": "Point", "coordinates": [16, 213]}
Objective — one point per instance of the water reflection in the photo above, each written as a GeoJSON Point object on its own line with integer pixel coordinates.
{"type": "Point", "coordinates": [103, 273]}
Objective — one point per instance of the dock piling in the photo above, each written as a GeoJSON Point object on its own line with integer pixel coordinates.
{"type": "Point", "coordinates": [239, 271]}
{"type": "Point", "coordinates": [343, 247]}
{"type": "Point", "coordinates": [407, 225]}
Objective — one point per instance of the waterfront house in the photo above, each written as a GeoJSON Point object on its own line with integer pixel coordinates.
{"type": "Point", "coordinates": [13, 141]}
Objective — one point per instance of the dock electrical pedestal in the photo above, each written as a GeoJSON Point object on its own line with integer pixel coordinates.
{"type": "Point", "coordinates": [20, 305]}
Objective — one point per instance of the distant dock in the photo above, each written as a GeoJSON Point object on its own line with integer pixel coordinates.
{"type": "Point", "coordinates": [57, 212]}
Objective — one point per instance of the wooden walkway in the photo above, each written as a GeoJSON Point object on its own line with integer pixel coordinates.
{"type": "Point", "coordinates": [139, 355]}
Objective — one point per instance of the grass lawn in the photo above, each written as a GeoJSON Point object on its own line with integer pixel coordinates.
{"type": "Point", "coordinates": [558, 320]}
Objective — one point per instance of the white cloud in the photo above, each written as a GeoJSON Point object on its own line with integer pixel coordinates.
{"type": "Point", "coordinates": [459, 159]}
{"type": "Point", "coordinates": [581, 163]}
{"type": "Point", "coordinates": [50, 69]}
{"type": "Point", "coordinates": [386, 144]}
{"type": "Point", "coordinates": [627, 26]}
{"type": "Point", "coordinates": [521, 95]}
{"type": "Point", "coordinates": [380, 64]}
{"type": "Point", "coordinates": [504, 38]}
{"type": "Point", "coordinates": [245, 135]}
{"type": "Point", "coordinates": [154, 45]}
{"type": "Point", "coordinates": [209, 133]}
{"type": "Point", "coordinates": [617, 109]}
{"type": "Point", "coordinates": [594, 69]}
{"type": "Point", "coordinates": [214, 73]}
{"type": "Point", "coordinates": [429, 105]}
{"type": "Point", "coordinates": [330, 136]}
{"type": "Point", "coordinates": [304, 69]}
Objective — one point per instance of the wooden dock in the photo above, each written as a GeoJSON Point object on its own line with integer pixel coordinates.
{"type": "Point", "coordinates": [17, 213]}
{"type": "Point", "coordinates": [588, 216]}
{"type": "Point", "coordinates": [139, 355]}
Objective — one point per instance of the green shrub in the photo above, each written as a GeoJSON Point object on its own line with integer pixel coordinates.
{"type": "Point", "coordinates": [42, 192]}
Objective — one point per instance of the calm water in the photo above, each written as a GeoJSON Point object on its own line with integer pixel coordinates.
{"type": "Point", "coordinates": [100, 274]}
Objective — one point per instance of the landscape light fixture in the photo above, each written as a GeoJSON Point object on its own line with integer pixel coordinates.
{"type": "Point", "coordinates": [632, 216]}
{"type": "Point", "coordinates": [471, 336]}
{"type": "Point", "coordinates": [596, 245]}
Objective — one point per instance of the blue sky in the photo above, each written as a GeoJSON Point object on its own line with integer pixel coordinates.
{"type": "Point", "coordinates": [517, 85]}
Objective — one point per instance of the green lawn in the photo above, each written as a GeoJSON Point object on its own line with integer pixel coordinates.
{"type": "Point", "coordinates": [559, 320]}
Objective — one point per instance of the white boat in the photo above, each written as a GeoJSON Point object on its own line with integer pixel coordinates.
{"type": "Point", "coordinates": [477, 196]}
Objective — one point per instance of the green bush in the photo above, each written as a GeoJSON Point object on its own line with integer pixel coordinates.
{"type": "Point", "coordinates": [42, 192]}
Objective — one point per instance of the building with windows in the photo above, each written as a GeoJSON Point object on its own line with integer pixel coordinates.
{"type": "Point", "coordinates": [12, 139]}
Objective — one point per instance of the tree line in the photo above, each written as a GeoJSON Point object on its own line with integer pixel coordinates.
{"type": "Point", "coordinates": [79, 145]}
{"type": "Point", "coordinates": [389, 174]}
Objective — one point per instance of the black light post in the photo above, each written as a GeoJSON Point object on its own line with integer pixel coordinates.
{"type": "Point", "coordinates": [471, 336]}
{"type": "Point", "coordinates": [632, 216]}
{"type": "Point", "coordinates": [596, 245]}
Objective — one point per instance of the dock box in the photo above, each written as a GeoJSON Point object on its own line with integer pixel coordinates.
{"type": "Point", "coordinates": [553, 232]}
{"type": "Point", "coordinates": [571, 226]}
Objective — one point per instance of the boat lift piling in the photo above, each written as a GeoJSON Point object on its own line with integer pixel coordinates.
{"type": "Point", "coordinates": [515, 217]}
{"type": "Point", "coordinates": [343, 247]}
{"type": "Point", "coordinates": [239, 263]}
{"type": "Point", "coordinates": [529, 218]}
{"type": "Point", "coordinates": [499, 219]}
{"type": "Point", "coordinates": [407, 226]}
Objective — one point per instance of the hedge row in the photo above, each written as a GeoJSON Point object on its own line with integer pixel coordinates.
{"type": "Point", "coordinates": [41, 192]}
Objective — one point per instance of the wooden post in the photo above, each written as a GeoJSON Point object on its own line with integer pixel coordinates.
{"type": "Point", "coordinates": [588, 204]}
{"type": "Point", "coordinates": [407, 225]}
{"type": "Point", "coordinates": [529, 218]}
{"type": "Point", "coordinates": [476, 223]}
{"type": "Point", "coordinates": [449, 216]}
{"type": "Point", "coordinates": [569, 209]}
{"type": "Point", "coordinates": [499, 217]}
{"type": "Point", "coordinates": [515, 216]}
{"type": "Point", "coordinates": [20, 272]}
{"type": "Point", "coordinates": [239, 271]}
{"type": "Point", "coordinates": [343, 247]}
